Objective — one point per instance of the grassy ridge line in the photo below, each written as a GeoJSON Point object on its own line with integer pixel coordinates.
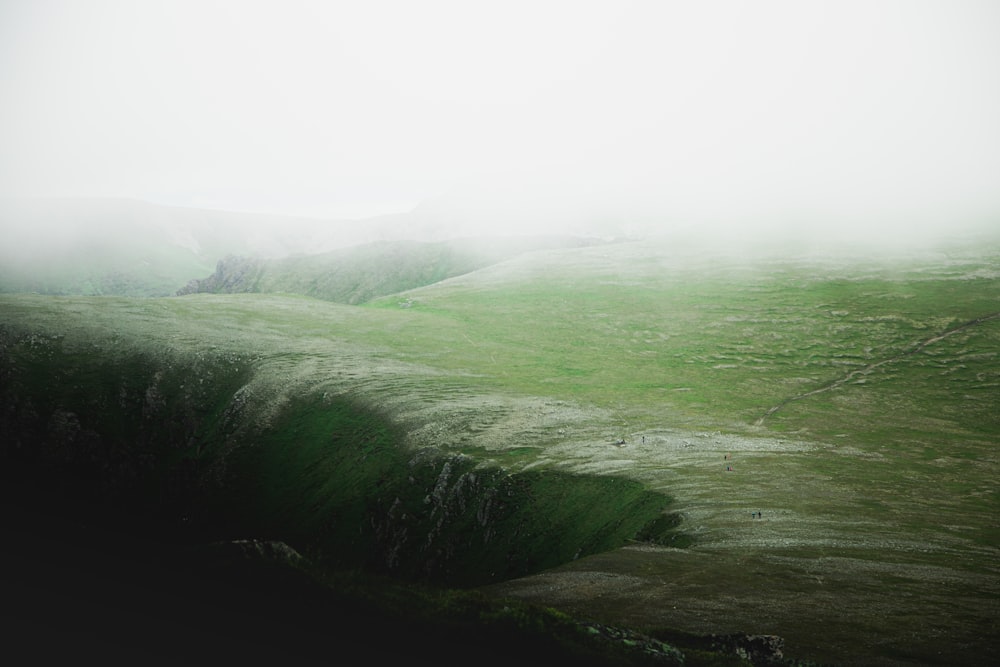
{"type": "Point", "coordinates": [321, 471]}
{"type": "Point", "coordinates": [318, 474]}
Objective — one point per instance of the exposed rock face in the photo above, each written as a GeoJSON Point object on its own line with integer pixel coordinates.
{"type": "Point", "coordinates": [269, 551]}
{"type": "Point", "coordinates": [758, 649]}
{"type": "Point", "coordinates": [657, 651]}
{"type": "Point", "coordinates": [233, 274]}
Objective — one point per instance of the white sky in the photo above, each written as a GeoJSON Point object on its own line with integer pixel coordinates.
{"type": "Point", "coordinates": [837, 112]}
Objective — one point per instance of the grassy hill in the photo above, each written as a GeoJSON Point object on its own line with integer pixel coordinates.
{"type": "Point", "coordinates": [360, 273]}
{"type": "Point", "coordinates": [850, 399]}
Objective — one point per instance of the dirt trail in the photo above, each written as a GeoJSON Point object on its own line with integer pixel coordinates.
{"type": "Point", "coordinates": [918, 347]}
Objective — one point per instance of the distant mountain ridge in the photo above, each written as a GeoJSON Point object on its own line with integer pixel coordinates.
{"type": "Point", "coordinates": [124, 247]}
{"type": "Point", "coordinates": [361, 273]}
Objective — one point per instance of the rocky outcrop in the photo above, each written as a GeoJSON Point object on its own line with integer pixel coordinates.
{"type": "Point", "coordinates": [757, 649]}
{"type": "Point", "coordinates": [652, 649]}
{"type": "Point", "coordinates": [233, 275]}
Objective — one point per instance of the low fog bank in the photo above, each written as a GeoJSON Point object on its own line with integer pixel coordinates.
{"type": "Point", "coordinates": [723, 220]}
{"type": "Point", "coordinates": [93, 246]}
{"type": "Point", "coordinates": [723, 122]}
{"type": "Point", "coordinates": [48, 228]}
{"type": "Point", "coordinates": [39, 232]}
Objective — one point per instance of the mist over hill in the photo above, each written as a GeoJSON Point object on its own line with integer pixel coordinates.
{"type": "Point", "coordinates": [80, 246]}
{"type": "Point", "coordinates": [135, 248]}
{"type": "Point", "coordinates": [677, 317]}
{"type": "Point", "coordinates": [361, 273]}
{"type": "Point", "coordinates": [124, 247]}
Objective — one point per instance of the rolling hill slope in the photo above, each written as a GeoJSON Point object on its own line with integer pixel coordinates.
{"type": "Point", "coordinates": [825, 426]}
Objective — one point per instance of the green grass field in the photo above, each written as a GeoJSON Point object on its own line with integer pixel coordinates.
{"type": "Point", "coordinates": [856, 400]}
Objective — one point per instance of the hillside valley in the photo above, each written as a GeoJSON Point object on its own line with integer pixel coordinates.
{"type": "Point", "coordinates": [689, 442]}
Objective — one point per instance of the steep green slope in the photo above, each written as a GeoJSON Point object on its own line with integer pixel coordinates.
{"type": "Point", "coordinates": [156, 444]}
{"type": "Point", "coordinates": [198, 435]}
